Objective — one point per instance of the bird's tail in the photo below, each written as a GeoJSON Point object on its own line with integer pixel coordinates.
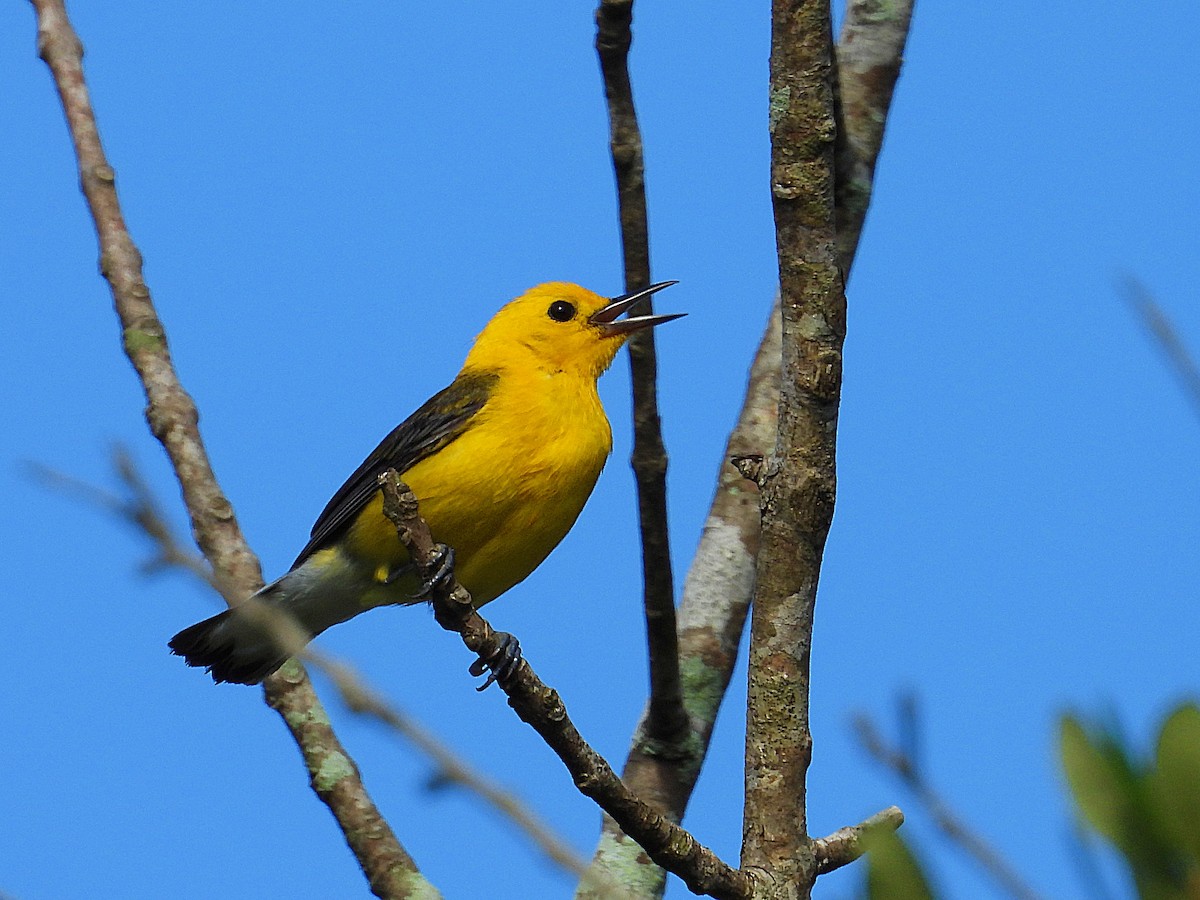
{"type": "Point", "coordinates": [235, 646]}
{"type": "Point", "coordinates": [245, 644]}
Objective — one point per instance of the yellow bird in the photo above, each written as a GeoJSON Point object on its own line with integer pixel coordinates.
{"type": "Point", "coordinates": [501, 461]}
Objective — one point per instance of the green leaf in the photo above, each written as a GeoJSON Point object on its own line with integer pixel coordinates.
{"type": "Point", "coordinates": [893, 872]}
{"type": "Point", "coordinates": [1175, 785]}
{"type": "Point", "coordinates": [1100, 780]}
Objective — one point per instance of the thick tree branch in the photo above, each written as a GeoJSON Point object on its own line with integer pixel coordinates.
{"type": "Point", "coordinates": [541, 707]}
{"type": "Point", "coordinates": [667, 724]}
{"type": "Point", "coordinates": [173, 419]}
{"type": "Point", "coordinates": [798, 482]}
{"type": "Point", "coordinates": [716, 594]}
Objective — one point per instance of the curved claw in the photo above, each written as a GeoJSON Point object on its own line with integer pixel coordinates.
{"type": "Point", "coordinates": [444, 559]}
{"type": "Point", "coordinates": [501, 665]}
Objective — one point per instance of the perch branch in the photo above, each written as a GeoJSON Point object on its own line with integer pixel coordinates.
{"type": "Point", "coordinates": [540, 707]}
{"type": "Point", "coordinates": [173, 418]}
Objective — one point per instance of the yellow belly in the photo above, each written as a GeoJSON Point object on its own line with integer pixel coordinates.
{"type": "Point", "coordinates": [503, 494]}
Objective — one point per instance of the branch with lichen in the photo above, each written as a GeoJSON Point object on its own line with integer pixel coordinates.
{"type": "Point", "coordinates": [716, 593]}
{"type": "Point", "coordinates": [798, 478]}
{"type": "Point", "coordinates": [138, 506]}
{"type": "Point", "coordinates": [172, 417]}
{"type": "Point", "coordinates": [869, 54]}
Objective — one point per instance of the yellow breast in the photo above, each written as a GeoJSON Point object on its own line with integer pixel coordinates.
{"type": "Point", "coordinates": [507, 491]}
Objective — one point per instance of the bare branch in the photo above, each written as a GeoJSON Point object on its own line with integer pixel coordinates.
{"type": "Point", "coordinates": [904, 767]}
{"type": "Point", "coordinates": [141, 509]}
{"type": "Point", "coordinates": [539, 706]}
{"type": "Point", "coordinates": [799, 480]}
{"type": "Point", "coordinates": [358, 696]}
{"type": "Point", "coordinates": [1164, 332]}
{"type": "Point", "coordinates": [845, 845]}
{"type": "Point", "coordinates": [712, 615]}
{"type": "Point", "coordinates": [667, 724]}
{"type": "Point", "coordinates": [138, 507]}
{"type": "Point", "coordinates": [716, 594]}
{"type": "Point", "coordinates": [173, 419]}
{"type": "Point", "coordinates": [869, 54]}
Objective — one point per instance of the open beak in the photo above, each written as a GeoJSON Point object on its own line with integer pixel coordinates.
{"type": "Point", "coordinates": [606, 318]}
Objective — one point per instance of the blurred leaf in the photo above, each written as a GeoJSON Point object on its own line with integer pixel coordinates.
{"type": "Point", "coordinates": [1150, 812]}
{"type": "Point", "coordinates": [1100, 782]}
{"type": "Point", "coordinates": [893, 872]}
{"type": "Point", "coordinates": [1175, 784]}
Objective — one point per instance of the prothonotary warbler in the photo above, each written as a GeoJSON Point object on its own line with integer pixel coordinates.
{"type": "Point", "coordinates": [501, 461]}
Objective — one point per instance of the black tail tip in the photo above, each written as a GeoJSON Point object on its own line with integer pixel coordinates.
{"type": "Point", "coordinates": [229, 649]}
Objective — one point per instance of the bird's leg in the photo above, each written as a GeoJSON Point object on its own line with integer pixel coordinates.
{"type": "Point", "coordinates": [502, 663]}
{"type": "Point", "coordinates": [443, 558]}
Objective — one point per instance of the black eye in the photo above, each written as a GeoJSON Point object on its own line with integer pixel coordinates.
{"type": "Point", "coordinates": [561, 311]}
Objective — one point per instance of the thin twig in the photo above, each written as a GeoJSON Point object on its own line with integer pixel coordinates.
{"type": "Point", "coordinates": [845, 845]}
{"type": "Point", "coordinates": [952, 826]}
{"type": "Point", "coordinates": [137, 506]}
{"type": "Point", "coordinates": [670, 846]}
{"type": "Point", "coordinates": [141, 509]}
{"type": "Point", "coordinates": [173, 418]}
{"type": "Point", "coordinates": [667, 725]}
{"type": "Point", "coordinates": [1160, 326]}
{"type": "Point", "coordinates": [716, 593]}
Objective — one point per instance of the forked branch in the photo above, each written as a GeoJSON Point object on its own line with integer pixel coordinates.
{"type": "Point", "coordinates": [540, 706]}
{"type": "Point", "coordinates": [716, 593]}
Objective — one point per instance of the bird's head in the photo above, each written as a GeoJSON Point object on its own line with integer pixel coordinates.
{"type": "Point", "coordinates": [561, 327]}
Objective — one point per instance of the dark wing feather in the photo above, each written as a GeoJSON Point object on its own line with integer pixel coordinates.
{"type": "Point", "coordinates": [442, 418]}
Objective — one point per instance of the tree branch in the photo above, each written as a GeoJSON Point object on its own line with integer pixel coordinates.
{"type": "Point", "coordinates": [905, 767]}
{"type": "Point", "coordinates": [716, 593]}
{"type": "Point", "coordinates": [869, 54]}
{"type": "Point", "coordinates": [845, 845]}
{"type": "Point", "coordinates": [539, 706]}
{"type": "Point", "coordinates": [667, 725]}
{"type": "Point", "coordinates": [798, 483]}
{"type": "Point", "coordinates": [1159, 324]}
{"type": "Point", "coordinates": [141, 509]}
{"type": "Point", "coordinates": [173, 418]}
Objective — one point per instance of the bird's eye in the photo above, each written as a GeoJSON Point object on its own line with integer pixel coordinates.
{"type": "Point", "coordinates": [561, 311]}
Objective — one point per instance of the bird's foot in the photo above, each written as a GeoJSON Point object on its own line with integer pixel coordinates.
{"type": "Point", "coordinates": [443, 558]}
{"type": "Point", "coordinates": [502, 664]}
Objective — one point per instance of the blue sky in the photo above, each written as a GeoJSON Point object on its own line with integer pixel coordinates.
{"type": "Point", "coordinates": [331, 204]}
